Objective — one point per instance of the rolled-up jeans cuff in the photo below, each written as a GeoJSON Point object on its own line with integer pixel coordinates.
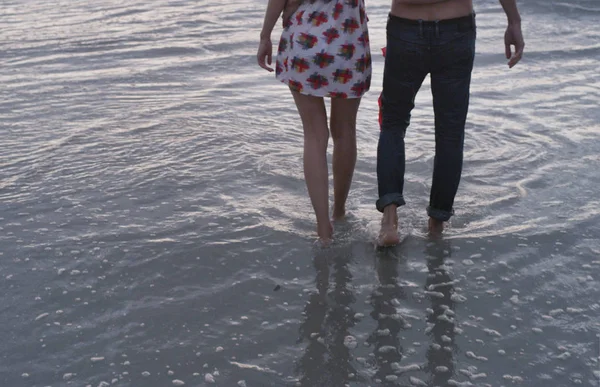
{"type": "Point", "coordinates": [387, 199]}
{"type": "Point", "coordinates": [442, 215]}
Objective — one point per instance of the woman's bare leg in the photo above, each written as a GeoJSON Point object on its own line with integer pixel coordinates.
{"type": "Point", "coordinates": [316, 136]}
{"type": "Point", "coordinates": [343, 133]}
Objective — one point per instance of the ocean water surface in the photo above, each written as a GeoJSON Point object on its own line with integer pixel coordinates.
{"type": "Point", "coordinates": [155, 228]}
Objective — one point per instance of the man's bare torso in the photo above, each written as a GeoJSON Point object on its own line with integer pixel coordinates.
{"type": "Point", "coordinates": [431, 9]}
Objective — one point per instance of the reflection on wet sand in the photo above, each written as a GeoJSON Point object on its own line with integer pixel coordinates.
{"type": "Point", "coordinates": [439, 288]}
{"type": "Point", "coordinates": [387, 303]}
{"type": "Point", "coordinates": [328, 317]}
{"type": "Point", "coordinates": [387, 349]}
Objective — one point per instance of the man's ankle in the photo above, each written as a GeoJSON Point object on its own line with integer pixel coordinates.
{"type": "Point", "coordinates": [390, 216]}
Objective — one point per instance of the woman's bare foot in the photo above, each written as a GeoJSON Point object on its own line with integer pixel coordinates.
{"type": "Point", "coordinates": [325, 232]}
{"type": "Point", "coordinates": [339, 214]}
{"type": "Point", "coordinates": [436, 227]}
{"type": "Point", "coordinates": [388, 236]}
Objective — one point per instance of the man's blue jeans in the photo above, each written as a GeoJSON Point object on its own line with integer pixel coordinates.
{"type": "Point", "coordinates": [444, 49]}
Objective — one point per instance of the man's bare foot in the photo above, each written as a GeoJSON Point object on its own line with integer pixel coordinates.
{"type": "Point", "coordinates": [436, 227]}
{"type": "Point", "coordinates": [388, 236]}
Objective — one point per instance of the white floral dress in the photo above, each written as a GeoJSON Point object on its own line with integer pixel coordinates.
{"type": "Point", "coordinates": [324, 49]}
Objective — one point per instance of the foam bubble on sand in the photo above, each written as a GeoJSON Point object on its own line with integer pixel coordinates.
{"type": "Point", "coordinates": [574, 310]}
{"type": "Point", "coordinates": [435, 294]}
{"type": "Point", "coordinates": [208, 378]}
{"type": "Point", "coordinates": [453, 382]}
{"type": "Point", "coordinates": [96, 359]}
{"type": "Point", "coordinates": [514, 379]}
{"type": "Point", "coordinates": [471, 354]}
{"type": "Point", "coordinates": [380, 333]}
{"type": "Point", "coordinates": [398, 369]}
{"type": "Point", "coordinates": [471, 373]}
{"type": "Point", "coordinates": [458, 298]}
{"type": "Point", "coordinates": [241, 383]}
{"type": "Point", "coordinates": [350, 342]}
{"type": "Point", "coordinates": [178, 382]}
{"type": "Point", "coordinates": [416, 381]}
{"type": "Point", "coordinates": [468, 262]}
{"type": "Point", "coordinates": [387, 349]}
{"type": "Point", "coordinates": [41, 316]}
{"type": "Point", "coordinates": [145, 374]}
{"type": "Point", "coordinates": [492, 332]}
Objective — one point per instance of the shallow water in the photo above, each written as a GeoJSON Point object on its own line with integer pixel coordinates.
{"type": "Point", "coordinates": [155, 227]}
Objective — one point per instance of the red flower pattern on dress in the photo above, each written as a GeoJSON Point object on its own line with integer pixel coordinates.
{"type": "Point", "coordinates": [318, 18]}
{"type": "Point", "coordinates": [307, 41]}
{"type": "Point", "coordinates": [337, 11]}
{"type": "Point", "coordinates": [331, 35]}
{"type": "Point", "coordinates": [342, 76]}
{"type": "Point", "coordinates": [364, 39]}
{"type": "Point", "coordinates": [318, 81]}
{"type": "Point", "coordinates": [363, 63]}
{"type": "Point", "coordinates": [323, 59]}
{"type": "Point", "coordinates": [283, 43]}
{"type": "Point", "coordinates": [324, 49]}
{"type": "Point", "coordinates": [299, 18]}
{"type": "Point", "coordinates": [347, 51]}
{"type": "Point", "coordinates": [296, 86]}
{"type": "Point", "coordinates": [350, 25]}
{"type": "Point", "coordinates": [359, 88]}
{"type": "Point", "coordinates": [338, 94]}
{"type": "Point", "coordinates": [300, 65]}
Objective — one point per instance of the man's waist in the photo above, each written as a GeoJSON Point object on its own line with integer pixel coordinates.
{"type": "Point", "coordinates": [466, 22]}
{"type": "Point", "coordinates": [450, 9]}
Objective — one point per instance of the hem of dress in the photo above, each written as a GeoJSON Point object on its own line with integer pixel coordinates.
{"type": "Point", "coordinates": [327, 95]}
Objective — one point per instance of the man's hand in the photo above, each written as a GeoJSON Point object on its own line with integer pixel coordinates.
{"type": "Point", "coordinates": [265, 53]}
{"type": "Point", "coordinates": [514, 37]}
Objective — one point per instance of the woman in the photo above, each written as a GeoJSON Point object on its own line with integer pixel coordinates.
{"type": "Point", "coordinates": [323, 52]}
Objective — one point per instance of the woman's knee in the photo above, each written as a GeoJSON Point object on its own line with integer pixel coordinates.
{"type": "Point", "coordinates": [343, 130]}
{"type": "Point", "coordinates": [343, 119]}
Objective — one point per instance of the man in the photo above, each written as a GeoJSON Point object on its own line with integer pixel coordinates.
{"type": "Point", "coordinates": [435, 37]}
